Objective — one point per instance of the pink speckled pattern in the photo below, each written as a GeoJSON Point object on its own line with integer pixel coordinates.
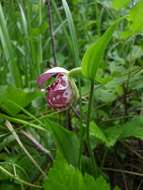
{"type": "Point", "coordinates": [60, 93]}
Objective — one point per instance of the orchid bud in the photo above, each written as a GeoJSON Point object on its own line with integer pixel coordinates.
{"type": "Point", "coordinates": [62, 92]}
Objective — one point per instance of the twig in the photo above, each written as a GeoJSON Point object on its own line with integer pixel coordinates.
{"type": "Point", "coordinates": [48, 3]}
{"type": "Point", "coordinates": [125, 182]}
{"type": "Point", "coordinates": [11, 129]}
{"type": "Point", "coordinates": [36, 144]}
{"type": "Point", "coordinates": [123, 171]}
{"type": "Point", "coordinates": [116, 118]}
{"type": "Point", "coordinates": [75, 112]}
{"type": "Point", "coordinates": [132, 150]}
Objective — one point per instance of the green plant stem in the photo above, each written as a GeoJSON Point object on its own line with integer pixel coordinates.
{"type": "Point", "coordinates": [81, 128]}
{"type": "Point", "coordinates": [75, 72]}
{"type": "Point", "coordinates": [87, 129]}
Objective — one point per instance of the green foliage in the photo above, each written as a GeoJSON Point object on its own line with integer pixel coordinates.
{"type": "Point", "coordinates": [120, 4]}
{"type": "Point", "coordinates": [95, 131]}
{"type": "Point", "coordinates": [117, 106]}
{"type": "Point", "coordinates": [72, 31]}
{"type": "Point", "coordinates": [117, 188]}
{"type": "Point", "coordinates": [112, 134]}
{"type": "Point", "coordinates": [66, 139]}
{"type": "Point", "coordinates": [8, 186]}
{"type": "Point", "coordinates": [135, 22]}
{"type": "Point", "coordinates": [20, 36]}
{"type": "Point", "coordinates": [11, 98]}
{"type": "Point", "coordinates": [93, 57]}
{"type": "Point", "coordinates": [109, 138]}
{"type": "Point", "coordinates": [8, 50]}
{"type": "Point", "coordinates": [63, 175]}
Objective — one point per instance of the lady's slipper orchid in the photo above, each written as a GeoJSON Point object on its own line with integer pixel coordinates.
{"type": "Point", "coordinates": [62, 92]}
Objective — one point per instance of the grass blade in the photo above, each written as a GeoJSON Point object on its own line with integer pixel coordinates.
{"type": "Point", "coordinates": [8, 50]}
{"type": "Point", "coordinates": [72, 32]}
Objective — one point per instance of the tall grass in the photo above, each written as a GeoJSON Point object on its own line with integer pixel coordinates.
{"type": "Point", "coordinates": [8, 50]}
{"type": "Point", "coordinates": [21, 40]}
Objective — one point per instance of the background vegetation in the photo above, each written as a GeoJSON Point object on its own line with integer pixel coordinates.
{"type": "Point", "coordinates": [47, 149]}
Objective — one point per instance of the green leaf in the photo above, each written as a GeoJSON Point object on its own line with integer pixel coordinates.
{"type": "Point", "coordinates": [39, 30]}
{"type": "Point", "coordinates": [117, 188]}
{"type": "Point", "coordinates": [97, 132]}
{"type": "Point", "coordinates": [9, 186]}
{"type": "Point", "coordinates": [133, 128]}
{"type": "Point", "coordinates": [71, 26]}
{"type": "Point", "coordinates": [109, 136]}
{"type": "Point", "coordinates": [64, 176]}
{"type": "Point", "coordinates": [105, 95]}
{"type": "Point", "coordinates": [135, 21]}
{"type": "Point", "coordinates": [112, 135]}
{"type": "Point", "coordinates": [101, 184]}
{"type": "Point", "coordinates": [118, 4]}
{"type": "Point", "coordinates": [67, 142]}
{"type": "Point", "coordinates": [93, 57]}
{"type": "Point", "coordinates": [11, 96]}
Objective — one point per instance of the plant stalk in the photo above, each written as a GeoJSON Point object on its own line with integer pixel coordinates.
{"type": "Point", "coordinates": [75, 72]}
{"type": "Point", "coordinates": [81, 128]}
{"type": "Point", "coordinates": [88, 129]}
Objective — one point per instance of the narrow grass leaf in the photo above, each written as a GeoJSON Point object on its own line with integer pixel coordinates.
{"type": "Point", "coordinates": [8, 50]}
{"type": "Point", "coordinates": [72, 32]}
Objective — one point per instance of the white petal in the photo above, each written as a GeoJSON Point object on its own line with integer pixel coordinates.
{"type": "Point", "coordinates": [56, 70]}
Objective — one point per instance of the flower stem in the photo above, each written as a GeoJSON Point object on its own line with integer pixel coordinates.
{"type": "Point", "coordinates": [75, 72]}
{"type": "Point", "coordinates": [88, 131]}
{"type": "Point", "coordinates": [81, 128]}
